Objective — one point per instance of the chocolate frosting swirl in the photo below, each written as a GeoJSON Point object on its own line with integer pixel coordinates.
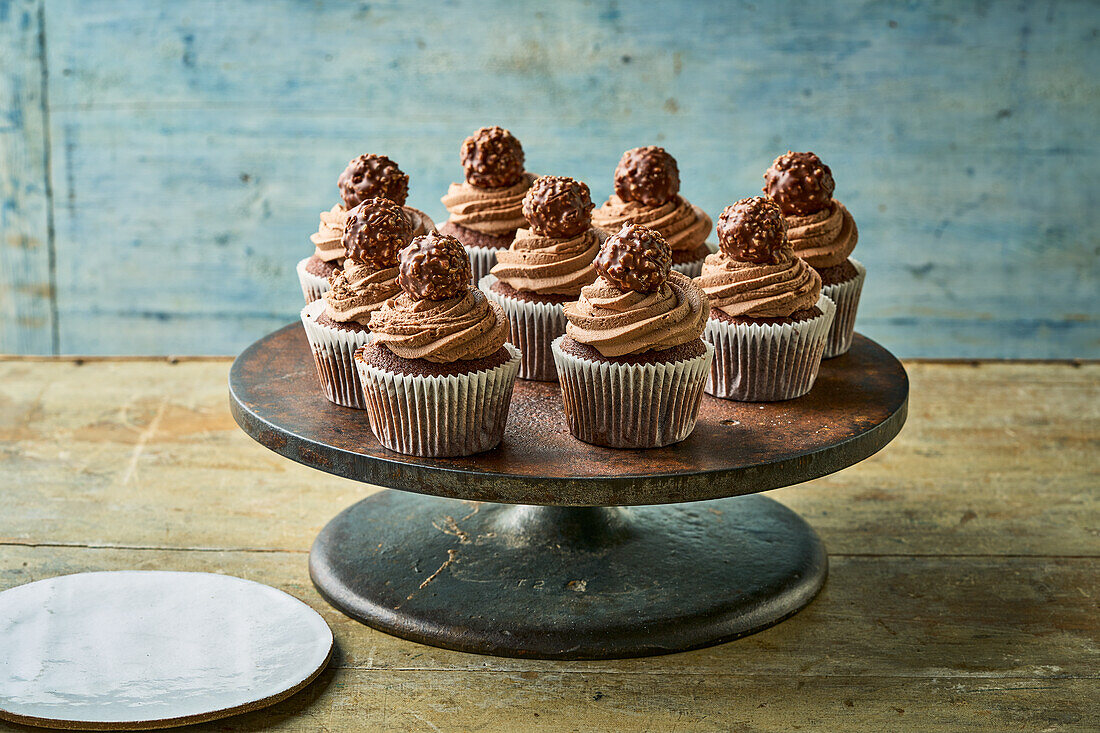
{"type": "Point", "coordinates": [496, 211]}
{"type": "Point", "coordinates": [549, 265]}
{"type": "Point", "coordinates": [823, 239]}
{"type": "Point", "coordinates": [620, 322]}
{"type": "Point", "coordinates": [328, 241]}
{"type": "Point", "coordinates": [683, 225]}
{"type": "Point", "coordinates": [359, 290]}
{"type": "Point", "coordinates": [751, 290]}
{"type": "Point", "coordinates": [422, 223]}
{"type": "Point", "coordinates": [442, 331]}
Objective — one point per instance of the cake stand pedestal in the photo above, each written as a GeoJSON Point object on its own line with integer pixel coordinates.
{"type": "Point", "coordinates": [550, 548]}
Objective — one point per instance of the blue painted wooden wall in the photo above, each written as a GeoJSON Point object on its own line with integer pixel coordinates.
{"type": "Point", "coordinates": [162, 164]}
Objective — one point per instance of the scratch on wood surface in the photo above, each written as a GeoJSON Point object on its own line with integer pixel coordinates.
{"type": "Point", "coordinates": [451, 556]}
{"type": "Point", "coordinates": [35, 411]}
{"type": "Point", "coordinates": [477, 508]}
{"type": "Point", "coordinates": [164, 547]}
{"type": "Point", "coordinates": [425, 721]}
{"type": "Point", "coordinates": [451, 527]}
{"type": "Point", "coordinates": [1007, 689]}
{"type": "Point", "coordinates": [142, 441]}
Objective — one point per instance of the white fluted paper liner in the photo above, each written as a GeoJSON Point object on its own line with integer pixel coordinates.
{"type": "Point", "coordinates": [334, 353]}
{"type": "Point", "coordinates": [439, 416]}
{"type": "Point", "coordinates": [533, 327]}
{"type": "Point", "coordinates": [846, 297]}
{"type": "Point", "coordinates": [691, 269]}
{"type": "Point", "coordinates": [631, 405]}
{"type": "Point", "coordinates": [695, 267]}
{"type": "Point", "coordinates": [765, 362]}
{"type": "Point", "coordinates": [313, 286]}
{"type": "Point", "coordinates": [482, 259]}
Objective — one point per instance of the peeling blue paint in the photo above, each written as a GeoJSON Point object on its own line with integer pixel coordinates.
{"type": "Point", "coordinates": [196, 144]}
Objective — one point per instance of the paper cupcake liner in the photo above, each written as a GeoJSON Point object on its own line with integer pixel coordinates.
{"type": "Point", "coordinates": [482, 259]}
{"type": "Point", "coordinates": [694, 268]}
{"type": "Point", "coordinates": [767, 362]}
{"type": "Point", "coordinates": [691, 269]}
{"type": "Point", "coordinates": [313, 286]}
{"type": "Point", "coordinates": [533, 327]}
{"type": "Point", "coordinates": [439, 416]}
{"type": "Point", "coordinates": [334, 353]}
{"type": "Point", "coordinates": [631, 405]}
{"type": "Point", "coordinates": [846, 297]}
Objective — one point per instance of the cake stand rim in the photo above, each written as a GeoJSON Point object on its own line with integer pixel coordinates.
{"type": "Point", "coordinates": [413, 474]}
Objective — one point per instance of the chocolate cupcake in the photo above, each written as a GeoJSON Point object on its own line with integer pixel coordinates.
{"type": "Point", "coordinates": [338, 323]}
{"type": "Point", "coordinates": [632, 365]}
{"type": "Point", "coordinates": [366, 177]}
{"type": "Point", "coordinates": [823, 233]}
{"type": "Point", "coordinates": [547, 265]}
{"type": "Point", "coordinates": [768, 321]}
{"type": "Point", "coordinates": [487, 209]}
{"type": "Point", "coordinates": [647, 191]}
{"type": "Point", "coordinates": [438, 373]}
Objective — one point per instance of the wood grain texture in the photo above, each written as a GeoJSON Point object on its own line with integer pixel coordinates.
{"type": "Point", "coordinates": [935, 641]}
{"type": "Point", "coordinates": [154, 442]}
{"type": "Point", "coordinates": [962, 593]}
{"type": "Point", "coordinates": [194, 144]}
{"type": "Point", "coordinates": [27, 304]}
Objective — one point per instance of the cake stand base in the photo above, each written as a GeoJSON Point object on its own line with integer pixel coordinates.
{"type": "Point", "coordinates": [567, 582]}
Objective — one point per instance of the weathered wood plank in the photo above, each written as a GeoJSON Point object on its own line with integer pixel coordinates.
{"type": "Point", "coordinates": [445, 701]}
{"type": "Point", "coordinates": [910, 641]}
{"type": "Point", "coordinates": [996, 459]}
{"type": "Point", "coordinates": [962, 593]}
{"type": "Point", "coordinates": [979, 618]}
{"type": "Point", "coordinates": [192, 160]}
{"type": "Point", "coordinates": [365, 700]}
{"type": "Point", "coordinates": [26, 290]}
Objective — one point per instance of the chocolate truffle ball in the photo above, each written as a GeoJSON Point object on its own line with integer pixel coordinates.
{"type": "Point", "coordinates": [434, 267]}
{"type": "Point", "coordinates": [492, 158]}
{"type": "Point", "coordinates": [373, 176]}
{"type": "Point", "coordinates": [636, 258]}
{"type": "Point", "coordinates": [800, 183]}
{"type": "Point", "coordinates": [376, 231]}
{"type": "Point", "coordinates": [753, 230]}
{"type": "Point", "coordinates": [647, 175]}
{"type": "Point", "coordinates": [558, 206]}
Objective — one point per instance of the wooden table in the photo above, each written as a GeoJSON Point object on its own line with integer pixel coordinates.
{"type": "Point", "coordinates": [965, 561]}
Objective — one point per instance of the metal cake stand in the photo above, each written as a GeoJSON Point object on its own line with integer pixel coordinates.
{"type": "Point", "coordinates": [550, 548]}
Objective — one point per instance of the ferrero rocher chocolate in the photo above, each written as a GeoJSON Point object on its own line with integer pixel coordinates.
{"type": "Point", "coordinates": [800, 183]}
{"type": "Point", "coordinates": [492, 158]}
{"type": "Point", "coordinates": [636, 258]}
{"type": "Point", "coordinates": [647, 175]}
{"type": "Point", "coordinates": [558, 206]}
{"type": "Point", "coordinates": [753, 230]}
{"type": "Point", "coordinates": [376, 230]}
{"type": "Point", "coordinates": [373, 176]}
{"type": "Point", "coordinates": [434, 267]}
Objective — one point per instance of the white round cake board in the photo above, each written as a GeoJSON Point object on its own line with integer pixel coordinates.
{"type": "Point", "coordinates": [149, 649]}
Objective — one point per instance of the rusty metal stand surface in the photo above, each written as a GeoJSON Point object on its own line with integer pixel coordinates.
{"type": "Point", "coordinates": [551, 548]}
